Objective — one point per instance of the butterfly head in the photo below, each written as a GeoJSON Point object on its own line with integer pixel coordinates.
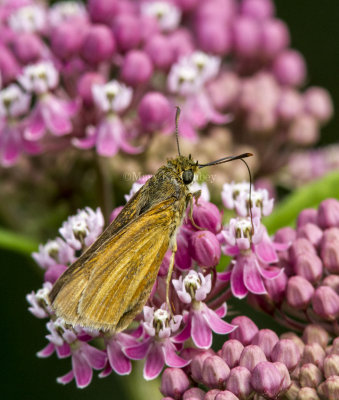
{"type": "Point", "coordinates": [185, 168]}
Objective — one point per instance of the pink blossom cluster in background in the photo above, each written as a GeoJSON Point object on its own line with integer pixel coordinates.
{"type": "Point", "coordinates": [108, 73]}
{"type": "Point", "coordinates": [260, 268]}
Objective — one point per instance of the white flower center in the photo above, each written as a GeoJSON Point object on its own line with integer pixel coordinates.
{"type": "Point", "coordinates": [243, 228]}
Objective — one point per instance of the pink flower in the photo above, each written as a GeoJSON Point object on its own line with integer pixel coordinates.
{"type": "Point", "coordinates": [39, 301]}
{"type": "Point", "coordinates": [167, 14]}
{"type": "Point", "coordinates": [54, 252]}
{"type": "Point", "coordinates": [201, 320]}
{"type": "Point", "coordinates": [157, 347]}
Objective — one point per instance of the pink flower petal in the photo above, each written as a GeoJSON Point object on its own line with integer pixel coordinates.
{"type": "Point", "coordinates": [224, 276]}
{"type": "Point", "coordinates": [221, 311]}
{"type": "Point", "coordinates": [82, 371]}
{"type": "Point", "coordinates": [46, 351]}
{"type": "Point", "coordinates": [215, 322]}
{"type": "Point", "coordinates": [55, 117]}
{"type": "Point", "coordinates": [201, 332]}
{"type": "Point", "coordinates": [265, 251]}
{"type": "Point", "coordinates": [117, 359]}
{"type": "Point", "coordinates": [281, 246]}
{"type": "Point", "coordinates": [184, 334]}
{"type": "Point", "coordinates": [171, 357]}
{"type": "Point", "coordinates": [86, 143]}
{"type": "Point", "coordinates": [237, 280]}
{"type": "Point", "coordinates": [127, 148]}
{"type": "Point", "coordinates": [35, 128]}
{"type": "Point", "coordinates": [107, 143]}
{"type": "Point", "coordinates": [154, 362]}
{"type": "Point", "coordinates": [106, 372]}
{"type": "Point", "coordinates": [252, 278]}
{"type": "Point", "coordinates": [187, 131]}
{"type": "Point", "coordinates": [95, 357]}
{"type": "Point", "coordinates": [66, 378]}
{"type": "Point", "coordinates": [137, 352]}
{"type": "Point", "coordinates": [270, 272]}
{"type": "Point", "coordinates": [231, 250]}
{"type": "Point", "coordinates": [63, 351]}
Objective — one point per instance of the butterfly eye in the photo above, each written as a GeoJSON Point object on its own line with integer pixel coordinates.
{"type": "Point", "coordinates": [187, 176]}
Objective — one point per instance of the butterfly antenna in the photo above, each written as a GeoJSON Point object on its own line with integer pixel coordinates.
{"type": "Point", "coordinates": [250, 194]}
{"type": "Point", "coordinates": [177, 115]}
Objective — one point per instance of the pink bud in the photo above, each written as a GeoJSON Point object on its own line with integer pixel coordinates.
{"type": "Point", "coordinates": [225, 395]}
{"type": "Point", "coordinates": [287, 352]}
{"type": "Point", "coordinates": [258, 9]}
{"type": "Point", "coordinates": [174, 382]}
{"type": "Point", "coordinates": [231, 352]}
{"type": "Point", "coordinates": [182, 43]}
{"type": "Point", "coordinates": [325, 303]}
{"type": "Point", "coordinates": [331, 365]}
{"type": "Point", "coordinates": [299, 292]}
{"type": "Point", "coordinates": [266, 379]}
{"type": "Point", "coordinates": [197, 365]}
{"type": "Point", "coordinates": [102, 11]}
{"type": "Point", "coordinates": [207, 215]}
{"type": "Point", "coordinates": [304, 130]}
{"type": "Point", "coordinates": [315, 334]}
{"type": "Point", "coordinates": [285, 235]}
{"type": "Point", "coordinates": [154, 111]}
{"type": "Point", "coordinates": [328, 213]}
{"type": "Point", "coordinates": [215, 372]}
{"type": "Point", "coordinates": [289, 105]}
{"type": "Point", "coordinates": [27, 47]}
{"type": "Point", "coordinates": [307, 215]}
{"type": "Point", "coordinates": [214, 37]}
{"type": "Point", "coordinates": [67, 40]}
{"type": "Point", "coordinates": [301, 247]}
{"type": "Point", "coordinates": [310, 267]}
{"type": "Point", "coordinates": [295, 339]}
{"type": "Point", "coordinates": [137, 68]}
{"type": "Point", "coordinates": [266, 339]}
{"type": "Point", "coordinates": [276, 287]}
{"type": "Point", "coordinates": [332, 281]}
{"type": "Point", "coordinates": [310, 375]}
{"type": "Point", "coordinates": [54, 272]}
{"type": "Point", "coordinates": [329, 250]}
{"type": "Point", "coordinates": [314, 354]}
{"type": "Point", "coordinates": [187, 5]}
{"type": "Point", "coordinates": [9, 68]}
{"type": "Point", "coordinates": [286, 382]}
{"type": "Point", "coordinates": [194, 394]}
{"type": "Point", "coordinates": [211, 394]}
{"type": "Point", "coordinates": [330, 388]}
{"type": "Point", "coordinates": [85, 84]}
{"type": "Point", "coordinates": [311, 232]}
{"type": "Point", "coordinates": [246, 330]}
{"type": "Point", "coordinates": [205, 248]}
{"type": "Point", "coordinates": [224, 90]}
{"type": "Point", "coordinates": [160, 50]}
{"type": "Point", "coordinates": [274, 37]}
{"type": "Point", "coordinates": [246, 36]}
{"type": "Point", "coordinates": [318, 103]}
{"type": "Point", "coordinates": [183, 259]}
{"type": "Point", "coordinates": [239, 382]}
{"type": "Point", "coordinates": [98, 45]}
{"type": "Point", "coordinates": [251, 356]}
{"type": "Point", "coordinates": [127, 32]}
{"type": "Point", "coordinates": [289, 68]}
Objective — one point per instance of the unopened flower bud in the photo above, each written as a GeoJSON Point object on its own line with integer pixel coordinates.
{"type": "Point", "coordinates": [299, 292]}
{"type": "Point", "coordinates": [85, 84]}
{"type": "Point", "coordinates": [289, 104]}
{"type": "Point", "coordinates": [98, 44]}
{"type": "Point", "coordinates": [27, 47]}
{"type": "Point", "coordinates": [207, 215]}
{"type": "Point", "coordinates": [330, 388]}
{"type": "Point", "coordinates": [303, 130]}
{"type": "Point", "coordinates": [307, 215]}
{"type": "Point", "coordinates": [257, 9]}
{"type": "Point", "coordinates": [231, 352]}
{"type": "Point", "coordinates": [274, 37]}
{"type": "Point", "coordinates": [332, 281]}
{"type": "Point", "coordinates": [194, 394]}
{"type": "Point", "coordinates": [205, 248]}
{"type": "Point", "coordinates": [211, 394]}
{"type": "Point", "coordinates": [154, 111]}
{"type": "Point", "coordinates": [286, 382]}
{"type": "Point", "coordinates": [329, 250]}
{"type": "Point", "coordinates": [331, 365]}
{"type": "Point", "coordinates": [9, 67]}
{"type": "Point", "coordinates": [328, 213]}
{"type": "Point", "coordinates": [296, 339]}
{"type": "Point", "coordinates": [246, 36]}
{"type": "Point", "coordinates": [289, 68]}
{"type": "Point", "coordinates": [239, 382]}
{"type": "Point", "coordinates": [313, 353]}
{"type": "Point", "coordinates": [160, 50]}
{"type": "Point", "coordinates": [276, 287]}
{"type": "Point", "coordinates": [318, 103]}
{"type": "Point", "coordinates": [53, 272]}
{"type": "Point", "coordinates": [102, 11]}
{"type": "Point", "coordinates": [214, 37]}
{"type": "Point", "coordinates": [266, 339]}
{"type": "Point", "coordinates": [310, 375]}
{"type": "Point", "coordinates": [137, 68]}
{"type": "Point", "coordinates": [67, 40]}
{"type": "Point", "coordinates": [307, 393]}
{"type": "Point", "coordinates": [266, 379]}
{"type": "Point", "coordinates": [197, 364]}
{"type": "Point", "coordinates": [251, 356]}
{"type": "Point", "coordinates": [215, 372]}
{"type": "Point", "coordinates": [311, 232]}
{"type": "Point", "coordinates": [127, 32]}
{"type": "Point", "coordinates": [174, 383]}
{"type": "Point", "coordinates": [301, 246]}
{"type": "Point", "coordinates": [292, 391]}
{"type": "Point", "coordinates": [225, 395]}
{"type": "Point", "coordinates": [325, 303]}
{"type": "Point", "coordinates": [316, 334]}
{"type": "Point", "coordinates": [287, 352]}
{"type": "Point", "coordinates": [246, 330]}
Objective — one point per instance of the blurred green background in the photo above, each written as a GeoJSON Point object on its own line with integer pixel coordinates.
{"type": "Point", "coordinates": [314, 30]}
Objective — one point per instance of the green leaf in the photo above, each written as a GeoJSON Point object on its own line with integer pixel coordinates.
{"type": "Point", "coordinates": [18, 243]}
{"type": "Point", "coordinates": [308, 196]}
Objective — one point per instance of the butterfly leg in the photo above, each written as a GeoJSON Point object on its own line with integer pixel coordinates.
{"type": "Point", "coordinates": [169, 275]}
{"type": "Point", "coordinates": [193, 196]}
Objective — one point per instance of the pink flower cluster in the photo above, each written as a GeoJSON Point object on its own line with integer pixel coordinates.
{"type": "Point", "coordinates": [107, 73]}
{"type": "Point", "coordinates": [197, 292]}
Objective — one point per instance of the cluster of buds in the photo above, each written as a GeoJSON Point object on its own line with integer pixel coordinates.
{"type": "Point", "coordinates": [198, 293]}
{"type": "Point", "coordinates": [308, 289]}
{"type": "Point", "coordinates": [258, 364]}
{"type": "Point", "coordinates": [109, 74]}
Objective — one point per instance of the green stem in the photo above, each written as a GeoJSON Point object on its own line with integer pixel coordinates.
{"type": "Point", "coordinates": [18, 243]}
